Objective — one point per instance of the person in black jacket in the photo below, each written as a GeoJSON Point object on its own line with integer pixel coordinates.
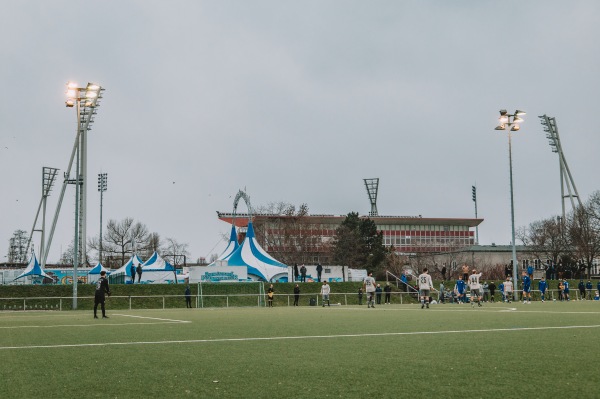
{"type": "Point", "coordinates": [132, 272]}
{"type": "Point", "coordinates": [388, 293]}
{"type": "Point", "coordinates": [139, 272]}
{"type": "Point", "coordinates": [296, 294]}
{"type": "Point", "coordinates": [378, 291]}
{"type": "Point", "coordinates": [492, 288]}
{"type": "Point", "coordinates": [319, 271]}
{"type": "Point", "coordinates": [188, 297]}
{"type": "Point", "coordinates": [101, 289]}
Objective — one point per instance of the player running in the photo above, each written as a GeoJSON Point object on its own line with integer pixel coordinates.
{"type": "Point", "coordinates": [425, 287]}
{"type": "Point", "coordinates": [526, 288]}
{"type": "Point", "coordinates": [475, 287]}
{"type": "Point", "coordinates": [508, 289]}
{"type": "Point", "coordinates": [459, 287]}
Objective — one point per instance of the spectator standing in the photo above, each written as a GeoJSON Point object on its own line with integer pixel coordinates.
{"type": "Point", "coordinates": [188, 297]}
{"type": "Point", "coordinates": [507, 271]}
{"type": "Point", "coordinates": [425, 287]}
{"type": "Point", "coordinates": [581, 287]}
{"type": "Point", "coordinates": [378, 292]}
{"type": "Point", "coordinates": [441, 293]}
{"type": "Point", "coordinates": [296, 294]}
{"type": "Point", "coordinates": [501, 288]}
{"type": "Point", "coordinates": [295, 272]}
{"type": "Point", "coordinates": [486, 291]}
{"type": "Point", "coordinates": [388, 293]}
{"type": "Point", "coordinates": [99, 298]}
{"type": "Point", "coordinates": [325, 290]}
{"type": "Point", "coordinates": [404, 281]}
{"type": "Point", "coordinates": [319, 271]}
{"type": "Point", "coordinates": [465, 272]}
{"type": "Point", "coordinates": [543, 286]}
{"type": "Point", "coordinates": [132, 272]}
{"type": "Point", "coordinates": [444, 272]}
{"type": "Point", "coordinates": [589, 288]}
{"type": "Point", "coordinates": [492, 288]}
{"type": "Point", "coordinates": [303, 274]}
{"type": "Point", "coordinates": [139, 272]}
{"type": "Point", "coordinates": [561, 290]}
{"type": "Point", "coordinates": [369, 286]}
{"type": "Point", "coordinates": [360, 295]}
{"type": "Point", "coordinates": [270, 295]}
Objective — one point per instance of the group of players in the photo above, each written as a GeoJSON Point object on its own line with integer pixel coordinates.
{"type": "Point", "coordinates": [473, 281]}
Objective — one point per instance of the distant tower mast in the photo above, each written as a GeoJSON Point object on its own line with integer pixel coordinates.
{"type": "Point", "coordinates": [566, 179]}
{"type": "Point", "coordinates": [372, 185]}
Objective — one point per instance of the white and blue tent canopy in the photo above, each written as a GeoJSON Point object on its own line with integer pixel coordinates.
{"type": "Point", "coordinates": [231, 246]}
{"type": "Point", "coordinates": [156, 264]}
{"type": "Point", "coordinates": [126, 268]}
{"type": "Point", "coordinates": [33, 268]}
{"type": "Point", "coordinates": [259, 263]}
{"type": "Point", "coordinates": [98, 269]}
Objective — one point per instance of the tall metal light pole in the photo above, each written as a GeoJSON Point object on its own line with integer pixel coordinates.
{"type": "Point", "coordinates": [474, 190]}
{"type": "Point", "coordinates": [102, 182]}
{"type": "Point", "coordinates": [85, 100]}
{"type": "Point", "coordinates": [511, 123]}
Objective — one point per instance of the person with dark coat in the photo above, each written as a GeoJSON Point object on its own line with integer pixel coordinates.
{"type": "Point", "coordinates": [492, 288]}
{"type": "Point", "coordinates": [99, 298]}
{"type": "Point", "coordinates": [270, 295]}
{"type": "Point", "coordinates": [296, 294]}
{"type": "Point", "coordinates": [303, 274]}
{"type": "Point", "coordinates": [295, 272]}
{"type": "Point", "coordinates": [581, 287]}
{"type": "Point", "coordinates": [139, 272]}
{"type": "Point", "coordinates": [444, 272]}
{"type": "Point", "coordinates": [378, 292]}
{"type": "Point", "coordinates": [388, 293]}
{"type": "Point", "coordinates": [188, 297]}
{"type": "Point", "coordinates": [132, 273]}
{"type": "Point", "coordinates": [319, 271]}
{"type": "Point", "coordinates": [360, 295]}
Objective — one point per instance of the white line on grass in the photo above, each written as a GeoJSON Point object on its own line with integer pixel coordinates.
{"type": "Point", "coordinates": [152, 318]}
{"type": "Point", "coordinates": [194, 341]}
{"type": "Point", "coordinates": [100, 324]}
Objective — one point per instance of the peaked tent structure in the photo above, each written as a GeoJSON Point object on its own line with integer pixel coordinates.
{"type": "Point", "coordinates": [260, 264]}
{"type": "Point", "coordinates": [231, 247]}
{"type": "Point", "coordinates": [135, 260]}
{"type": "Point", "coordinates": [157, 270]}
{"type": "Point", "coordinates": [94, 274]}
{"type": "Point", "coordinates": [33, 269]}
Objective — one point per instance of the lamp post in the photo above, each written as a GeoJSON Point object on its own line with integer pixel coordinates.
{"type": "Point", "coordinates": [102, 186]}
{"type": "Point", "coordinates": [85, 100]}
{"type": "Point", "coordinates": [510, 122]}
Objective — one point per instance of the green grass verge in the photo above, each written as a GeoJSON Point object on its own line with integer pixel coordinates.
{"type": "Point", "coordinates": [307, 352]}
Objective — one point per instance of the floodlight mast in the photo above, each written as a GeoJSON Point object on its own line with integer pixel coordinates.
{"type": "Point", "coordinates": [85, 100]}
{"type": "Point", "coordinates": [511, 123]}
{"type": "Point", "coordinates": [372, 186]}
{"type": "Point", "coordinates": [551, 129]}
{"type": "Point", "coordinates": [102, 186]}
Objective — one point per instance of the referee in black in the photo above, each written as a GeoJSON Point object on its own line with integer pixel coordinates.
{"type": "Point", "coordinates": [101, 289]}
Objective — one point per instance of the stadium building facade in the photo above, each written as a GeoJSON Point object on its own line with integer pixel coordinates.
{"type": "Point", "coordinates": [307, 239]}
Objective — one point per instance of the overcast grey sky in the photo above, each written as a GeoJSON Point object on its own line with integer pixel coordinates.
{"type": "Point", "coordinates": [297, 102]}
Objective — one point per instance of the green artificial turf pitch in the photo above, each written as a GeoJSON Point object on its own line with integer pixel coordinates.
{"type": "Point", "coordinates": [500, 350]}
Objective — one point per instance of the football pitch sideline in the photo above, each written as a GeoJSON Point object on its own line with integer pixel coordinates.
{"type": "Point", "coordinates": [506, 350]}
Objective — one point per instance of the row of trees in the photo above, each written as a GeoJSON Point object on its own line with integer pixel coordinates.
{"type": "Point", "coordinates": [572, 243]}
{"type": "Point", "coordinates": [119, 242]}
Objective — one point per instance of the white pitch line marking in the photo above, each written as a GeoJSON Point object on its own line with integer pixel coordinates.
{"type": "Point", "coordinates": [95, 325]}
{"type": "Point", "coordinates": [194, 341]}
{"type": "Point", "coordinates": [152, 318]}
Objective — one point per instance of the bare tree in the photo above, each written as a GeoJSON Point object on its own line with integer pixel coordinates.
{"type": "Point", "coordinates": [547, 239]}
{"type": "Point", "coordinates": [122, 239]}
{"type": "Point", "coordinates": [174, 252]}
{"type": "Point", "coordinates": [584, 232]}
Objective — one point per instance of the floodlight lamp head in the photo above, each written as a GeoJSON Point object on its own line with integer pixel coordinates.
{"type": "Point", "coordinates": [516, 119]}
{"type": "Point", "coordinates": [500, 127]}
{"type": "Point", "coordinates": [70, 103]}
{"type": "Point", "coordinates": [72, 85]}
{"type": "Point", "coordinates": [503, 119]}
{"type": "Point", "coordinates": [503, 112]}
{"type": "Point", "coordinates": [519, 112]}
{"type": "Point", "coordinates": [92, 86]}
{"type": "Point", "coordinates": [515, 128]}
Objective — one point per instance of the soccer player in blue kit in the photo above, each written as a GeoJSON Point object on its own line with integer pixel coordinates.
{"type": "Point", "coordinates": [526, 288]}
{"type": "Point", "coordinates": [543, 286]}
{"type": "Point", "coordinates": [566, 290]}
{"type": "Point", "coordinates": [460, 289]}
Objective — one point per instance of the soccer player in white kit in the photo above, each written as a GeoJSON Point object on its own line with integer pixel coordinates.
{"type": "Point", "coordinates": [475, 287]}
{"type": "Point", "coordinates": [369, 286]}
{"type": "Point", "coordinates": [425, 286]}
{"type": "Point", "coordinates": [508, 289]}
